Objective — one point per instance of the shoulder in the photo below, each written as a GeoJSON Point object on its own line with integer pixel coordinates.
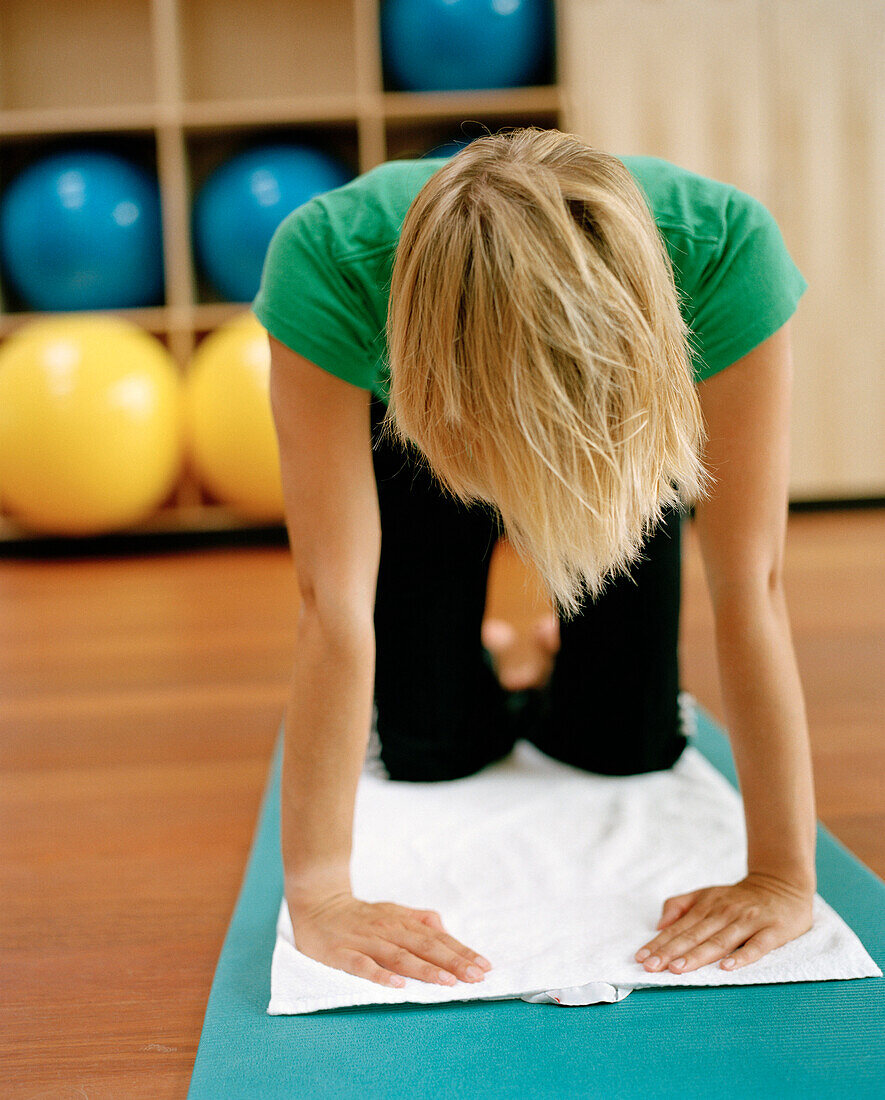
{"type": "Point", "coordinates": [363, 215]}
{"type": "Point", "coordinates": [686, 201]}
{"type": "Point", "coordinates": [736, 279]}
{"type": "Point", "coordinates": [704, 221]}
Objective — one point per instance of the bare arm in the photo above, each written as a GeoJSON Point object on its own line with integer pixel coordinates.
{"type": "Point", "coordinates": [323, 426]}
{"type": "Point", "coordinates": [742, 530]}
{"type": "Point", "coordinates": [324, 435]}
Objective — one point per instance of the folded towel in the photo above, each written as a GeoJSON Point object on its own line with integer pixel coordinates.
{"type": "Point", "coordinates": [557, 876]}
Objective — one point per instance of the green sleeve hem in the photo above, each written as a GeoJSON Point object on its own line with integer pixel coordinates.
{"type": "Point", "coordinates": [751, 336]}
{"type": "Point", "coordinates": [317, 352]}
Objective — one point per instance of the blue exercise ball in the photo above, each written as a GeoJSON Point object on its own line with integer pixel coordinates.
{"type": "Point", "coordinates": [80, 230]}
{"type": "Point", "coordinates": [241, 204]}
{"type": "Point", "coordinates": [451, 45]}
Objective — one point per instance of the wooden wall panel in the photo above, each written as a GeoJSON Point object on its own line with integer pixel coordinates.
{"type": "Point", "coordinates": [827, 152]}
{"type": "Point", "coordinates": [680, 79]}
{"type": "Point", "coordinates": [784, 99]}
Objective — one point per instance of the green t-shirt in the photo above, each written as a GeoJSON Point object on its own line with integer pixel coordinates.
{"type": "Point", "coordinates": [326, 277]}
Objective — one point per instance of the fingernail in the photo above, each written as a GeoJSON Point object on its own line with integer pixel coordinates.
{"type": "Point", "coordinates": [447, 979]}
{"type": "Point", "coordinates": [643, 953]}
{"type": "Point", "coordinates": [677, 964]}
{"type": "Point", "coordinates": [484, 963]}
{"type": "Point", "coordinates": [474, 973]}
{"type": "Point", "coordinates": [398, 982]}
{"type": "Point", "coordinates": [653, 963]}
{"type": "Point", "coordinates": [728, 963]}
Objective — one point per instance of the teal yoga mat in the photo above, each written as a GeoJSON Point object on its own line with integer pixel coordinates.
{"type": "Point", "coordinates": [802, 1039]}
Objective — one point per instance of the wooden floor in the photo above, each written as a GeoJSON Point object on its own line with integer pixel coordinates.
{"type": "Point", "coordinates": [141, 701]}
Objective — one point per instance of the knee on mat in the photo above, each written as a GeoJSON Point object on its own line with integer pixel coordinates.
{"type": "Point", "coordinates": [433, 767]}
{"type": "Point", "coordinates": [625, 749]}
{"type": "Point", "coordinates": [439, 755]}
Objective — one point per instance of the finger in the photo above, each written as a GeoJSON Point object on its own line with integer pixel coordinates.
{"type": "Point", "coordinates": [653, 947]}
{"type": "Point", "coordinates": [674, 908]}
{"type": "Point", "coordinates": [714, 947]}
{"type": "Point", "coordinates": [432, 920]}
{"type": "Point", "coordinates": [391, 924]}
{"type": "Point", "coordinates": [451, 956]}
{"type": "Point", "coordinates": [682, 936]}
{"type": "Point", "coordinates": [765, 940]}
{"type": "Point", "coordinates": [362, 966]}
{"type": "Point", "coordinates": [398, 958]}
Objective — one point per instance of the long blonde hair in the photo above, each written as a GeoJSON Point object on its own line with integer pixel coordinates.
{"type": "Point", "coordinates": [538, 357]}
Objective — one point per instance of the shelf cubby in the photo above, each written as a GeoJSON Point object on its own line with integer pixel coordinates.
{"type": "Point", "coordinates": [209, 147]}
{"type": "Point", "coordinates": [90, 55]}
{"type": "Point", "coordinates": [18, 151]}
{"type": "Point", "coordinates": [266, 50]}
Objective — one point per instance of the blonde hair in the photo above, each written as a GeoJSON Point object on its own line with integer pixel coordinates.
{"type": "Point", "coordinates": [538, 356]}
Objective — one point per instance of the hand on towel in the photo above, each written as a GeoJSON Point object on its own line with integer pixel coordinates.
{"type": "Point", "coordinates": [381, 941]}
{"type": "Point", "coordinates": [760, 912]}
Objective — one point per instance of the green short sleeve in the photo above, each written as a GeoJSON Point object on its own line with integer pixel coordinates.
{"type": "Point", "coordinates": [307, 302]}
{"type": "Point", "coordinates": [748, 289]}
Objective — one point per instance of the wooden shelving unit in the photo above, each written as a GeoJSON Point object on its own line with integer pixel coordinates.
{"type": "Point", "coordinates": [182, 85]}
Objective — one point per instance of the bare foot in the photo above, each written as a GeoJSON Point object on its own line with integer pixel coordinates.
{"type": "Point", "coordinates": [522, 661]}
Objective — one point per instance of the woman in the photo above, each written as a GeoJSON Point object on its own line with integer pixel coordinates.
{"type": "Point", "coordinates": [500, 342]}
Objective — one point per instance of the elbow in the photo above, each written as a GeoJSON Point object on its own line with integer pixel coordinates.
{"type": "Point", "coordinates": [750, 592]}
{"type": "Point", "coordinates": [775, 582]}
{"type": "Point", "coordinates": [340, 621]}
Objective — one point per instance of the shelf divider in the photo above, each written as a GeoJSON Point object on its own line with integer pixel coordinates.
{"type": "Point", "coordinates": [245, 112]}
{"type": "Point", "coordinates": [34, 121]}
{"type": "Point", "coordinates": [401, 106]}
{"type": "Point", "coordinates": [172, 170]}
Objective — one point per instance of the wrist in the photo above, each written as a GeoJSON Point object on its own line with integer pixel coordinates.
{"type": "Point", "coordinates": [791, 864]}
{"type": "Point", "coordinates": [304, 888]}
{"type": "Point", "coordinates": [800, 880]}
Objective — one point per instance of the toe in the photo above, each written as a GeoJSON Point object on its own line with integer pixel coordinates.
{"type": "Point", "coordinates": [496, 634]}
{"type": "Point", "coordinates": [546, 633]}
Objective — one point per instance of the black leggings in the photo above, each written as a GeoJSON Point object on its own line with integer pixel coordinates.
{"type": "Point", "coordinates": [611, 705]}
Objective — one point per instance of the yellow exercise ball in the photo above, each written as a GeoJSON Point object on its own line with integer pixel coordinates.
{"type": "Point", "coordinates": [229, 431]}
{"type": "Point", "coordinates": [90, 425]}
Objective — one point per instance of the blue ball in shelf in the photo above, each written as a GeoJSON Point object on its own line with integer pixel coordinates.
{"type": "Point", "coordinates": [451, 45]}
{"type": "Point", "coordinates": [244, 200]}
{"type": "Point", "coordinates": [80, 230]}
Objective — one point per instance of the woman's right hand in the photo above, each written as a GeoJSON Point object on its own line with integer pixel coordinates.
{"type": "Point", "coordinates": [383, 941]}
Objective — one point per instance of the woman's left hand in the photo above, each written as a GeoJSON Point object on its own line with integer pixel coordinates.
{"type": "Point", "coordinates": [741, 922]}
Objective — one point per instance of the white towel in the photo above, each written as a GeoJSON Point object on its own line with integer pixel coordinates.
{"type": "Point", "coordinates": [557, 876]}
